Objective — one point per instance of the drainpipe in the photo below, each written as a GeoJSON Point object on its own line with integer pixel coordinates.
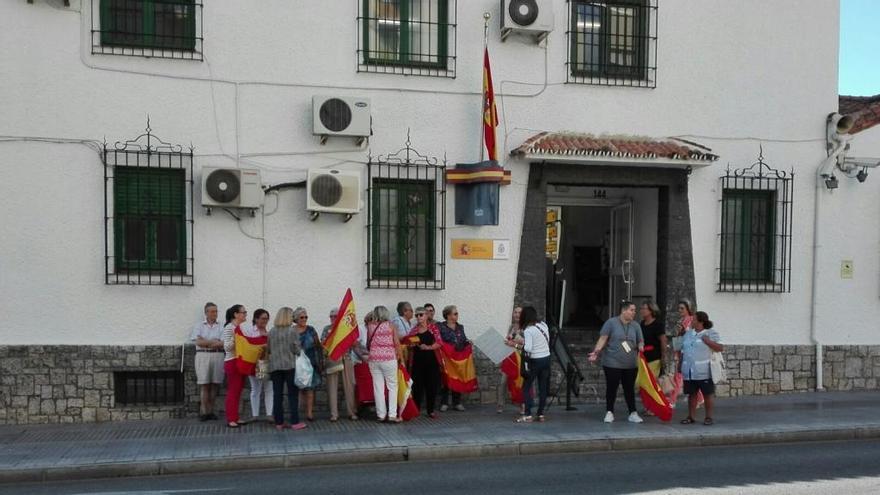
{"type": "Point", "coordinates": [824, 170]}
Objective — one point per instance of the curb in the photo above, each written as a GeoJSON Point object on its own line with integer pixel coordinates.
{"type": "Point", "coordinates": [424, 453]}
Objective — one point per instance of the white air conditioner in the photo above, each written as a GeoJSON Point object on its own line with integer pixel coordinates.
{"type": "Point", "coordinates": [333, 191]}
{"type": "Point", "coordinates": [340, 116]}
{"type": "Point", "coordinates": [533, 17]}
{"type": "Point", "coordinates": [231, 187]}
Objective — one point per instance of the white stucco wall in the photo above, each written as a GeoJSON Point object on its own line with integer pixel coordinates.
{"type": "Point", "coordinates": [726, 72]}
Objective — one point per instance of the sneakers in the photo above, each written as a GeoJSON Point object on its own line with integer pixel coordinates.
{"type": "Point", "coordinates": [444, 408]}
{"type": "Point", "coordinates": [459, 407]}
{"type": "Point", "coordinates": [609, 417]}
{"type": "Point", "coordinates": [299, 426]}
{"type": "Point", "coordinates": [634, 417]}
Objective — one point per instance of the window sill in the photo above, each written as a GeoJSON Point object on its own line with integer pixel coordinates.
{"type": "Point", "coordinates": [135, 278]}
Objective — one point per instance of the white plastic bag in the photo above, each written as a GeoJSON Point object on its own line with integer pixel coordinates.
{"type": "Point", "coordinates": [717, 368]}
{"type": "Point", "coordinates": [304, 372]}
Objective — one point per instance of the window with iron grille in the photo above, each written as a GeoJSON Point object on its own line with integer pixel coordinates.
{"type": "Point", "coordinates": [755, 235]}
{"type": "Point", "coordinates": [148, 221]}
{"type": "Point", "coordinates": [141, 388]}
{"type": "Point", "coordinates": [413, 37]}
{"type": "Point", "coordinates": [407, 224]}
{"type": "Point", "coordinates": [149, 28]}
{"type": "Point", "coordinates": [613, 42]}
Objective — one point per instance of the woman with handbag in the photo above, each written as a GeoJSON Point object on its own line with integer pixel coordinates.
{"type": "Point", "coordinates": [698, 346]}
{"type": "Point", "coordinates": [335, 370]}
{"type": "Point", "coordinates": [620, 341]}
{"type": "Point", "coordinates": [282, 351]}
{"type": "Point", "coordinates": [235, 316]}
{"type": "Point", "coordinates": [383, 344]}
{"type": "Point", "coordinates": [536, 356]}
{"type": "Point", "coordinates": [514, 337]}
{"type": "Point", "coordinates": [312, 349]}
{"type": "Point", "coordinates": [261, 385]}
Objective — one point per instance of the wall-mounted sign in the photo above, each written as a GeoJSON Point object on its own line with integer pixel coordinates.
{"type": "Point", "coordinates": [554, 232]}
{"type": "Point", "coordinates": [481, 249]}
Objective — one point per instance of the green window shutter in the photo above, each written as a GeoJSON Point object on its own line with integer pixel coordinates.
{"type": "Point", "coordinates": [403, 229]}
{"type": "Point", "coordinates": [149, 23]}
{"type": "Point", "coordinates": [393, 33]}
{"type": "Point", "coordinates": [748, 236]}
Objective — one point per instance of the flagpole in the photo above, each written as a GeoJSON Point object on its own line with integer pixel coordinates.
{"type": "Point", "coordinates": [486, 17]}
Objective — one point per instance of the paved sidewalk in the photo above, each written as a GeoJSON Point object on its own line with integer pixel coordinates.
{"type": "Point", "coordinates": [59, 452]}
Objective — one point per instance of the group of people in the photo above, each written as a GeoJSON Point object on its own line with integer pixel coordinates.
{"type": "Point", "coordinates": [413, 338]}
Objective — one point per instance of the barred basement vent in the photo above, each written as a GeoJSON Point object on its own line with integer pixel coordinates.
{"type": "Point", "coordinates": [133, 388]}
{"type": "Point", "coordinates": [326, 190]}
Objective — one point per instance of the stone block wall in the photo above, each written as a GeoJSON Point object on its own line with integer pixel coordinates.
{"type": "Point", "coordinates": [767, 369]}
{"type": "Point", "coordinates": [851, 367]}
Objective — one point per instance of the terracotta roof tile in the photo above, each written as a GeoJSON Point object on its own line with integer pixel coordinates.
{"type": "Point", "coordinates": [568, 143]}
{"type": "Point", "coordinates": [864, 109]}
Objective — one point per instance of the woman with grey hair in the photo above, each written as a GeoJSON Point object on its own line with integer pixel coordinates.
{"type": "Point", "coordinates": [452, 332]}
{"type": "Point", "coordinates": [383, 344]}
{"type": "Point", "coordinates": [335, 369]}
{"type": "Point", "coordinates": [311, 346]}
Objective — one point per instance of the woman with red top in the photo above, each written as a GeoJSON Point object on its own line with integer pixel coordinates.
{"type": "Point", "coordinates": [235, 316]}
{"type": "Point", "coordinates": [383, 344]}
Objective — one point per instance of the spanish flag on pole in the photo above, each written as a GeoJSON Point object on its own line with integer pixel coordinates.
{"type": "Point", "coordinates": [247, 351]}
{"type": "Point", "coordinates": [344, 332]}
{"type": "Point", "coordinates": [651, 393]}
{"type": "Point", "coordinates": [459, 371]}
{"type": "Point", "coordinates": [510, 367]}
{"type": "Point", "coordinates": [490, 115]}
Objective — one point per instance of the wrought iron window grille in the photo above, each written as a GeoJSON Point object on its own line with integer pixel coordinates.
{"type": "Point", "coordinates": [148, 28]}
{"type": "Point", "coordinates": [612, 43]}
{"type": "Point", "coordinates": [755, 229]}
{"type": "Point", "coordinates": [408, 37]}
{"type": "Point", "coordinates": [148, 212]}
{"type": "Point", "coordinates": [406, 227]}
{"type": "Point", "coordinates": [141, 388]}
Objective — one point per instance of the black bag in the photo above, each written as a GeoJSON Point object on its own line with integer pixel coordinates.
{"type": "Point", "coordinates": [524, 364]}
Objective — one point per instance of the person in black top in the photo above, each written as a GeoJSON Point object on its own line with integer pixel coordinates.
{"type": "Point", "coordinates": [655, 336]}
{"type": "Point", "coordinates": [424, 340]}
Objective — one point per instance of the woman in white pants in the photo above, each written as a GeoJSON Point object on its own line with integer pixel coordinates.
{"type": "Point", "coordinates": [260, 387]}
{"type": "Point", "coordinates": [384, 347]}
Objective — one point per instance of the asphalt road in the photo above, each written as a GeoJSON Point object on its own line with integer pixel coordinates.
{"type": "Point", "coordinates": [812, 468]}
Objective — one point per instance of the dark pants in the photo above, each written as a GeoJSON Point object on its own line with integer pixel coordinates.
{"type": "Point", "coordinates": [280, 378]}
{"type": "Point", "coordinates": [444, 396]}
{"type": "Point", "coordinates": [539, 370]}
{"type": "Point", "coordinates": [426, 380]}
{"type": "Point", "coordinates": [615, 377]}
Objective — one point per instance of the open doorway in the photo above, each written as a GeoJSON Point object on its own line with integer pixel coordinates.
{"type": "Point", "coordinates": [607, 252]}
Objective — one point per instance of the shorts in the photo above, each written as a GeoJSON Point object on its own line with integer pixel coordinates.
{"type": "Point", "coordinates": [209, 367]}
{"type": "Point", "coordinates": [706, 386]}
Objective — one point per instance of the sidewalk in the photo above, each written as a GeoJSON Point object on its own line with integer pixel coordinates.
{"type": "Point", "coordinates": [61, 452]}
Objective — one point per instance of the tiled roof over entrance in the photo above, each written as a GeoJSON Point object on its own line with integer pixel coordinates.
{"type": "Point", "coordinates": [864, 109]}
{"type": "Point", "coordinates": [574, 144]}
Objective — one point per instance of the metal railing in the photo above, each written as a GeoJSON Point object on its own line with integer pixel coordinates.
{"type": "Point", "coordinates": [148, 28]}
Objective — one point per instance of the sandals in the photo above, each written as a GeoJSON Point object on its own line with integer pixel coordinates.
{"type": "Point", "coordinates": [687, 421]}
{"type": "Point", "coordinates": [541, 418]}
{"type": "Point", "coordinates": [233, 424]}
{"type": "Point", "coordinates": [353, 417]}
{"type": "Point", "coordinates": [524, 419]}
{"type": "Point", "coordinates": [334, 419]}
{"type": "Point", "coordinates": [708, 421]}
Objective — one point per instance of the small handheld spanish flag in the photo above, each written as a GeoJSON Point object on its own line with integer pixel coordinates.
{"type": "Point", "coordinates": [344, 332]}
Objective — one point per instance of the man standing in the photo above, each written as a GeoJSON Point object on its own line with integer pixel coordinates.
{"type": "Point", "coordinates": [209, 360]}
{"type": "Point", "coordinates": [403, 321]}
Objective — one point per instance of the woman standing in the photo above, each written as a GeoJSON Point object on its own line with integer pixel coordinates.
{"type": "Point", "coordinates": [685, 321]}
{"type": "Point", "coordinates": [698, 344]}
{"type": "Point", "coordinates": [311, 346]}
{"type": "Point", "coordinates": [655, 336]}
{"type": "Point", "coordinates": [235, 316]}
{"type": "Point", "coordinates": [425, 366]}
{"type": "Point", "coordinates": [383, 345]}
{"type": "Point", "coordinates": [536, 344]}
{"type": "Point", "coordinates": [336, 369]}
{"type": "Point", "coordinates": [260, 387]}
{"type": "Point", "coordinates": [621, 340]}
{"type": "Point", "coordinates": [514, 338]}
{"type": "Point", "coordinates": [283, 349]}
{"type": "Point", "coordinates": [452, 332]}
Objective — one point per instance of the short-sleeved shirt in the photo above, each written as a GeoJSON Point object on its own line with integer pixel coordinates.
{"type": "Point", "coordinates": [381, 342]}
{"type": "Point", "coordinates": [613, 355]}
{"type": "Point", "coordinates": [696, 355]}
{"type": "Point", "coordinates": [652, 333]}
{"type": "Point", "coordinates": [207, 331]}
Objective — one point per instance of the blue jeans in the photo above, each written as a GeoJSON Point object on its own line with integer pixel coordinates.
{"type": "Point", "coordinates": [539, 369]}
{"type": "Point", "coordinates": [279, 379]}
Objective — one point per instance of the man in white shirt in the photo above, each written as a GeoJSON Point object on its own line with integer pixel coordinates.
{"type": "Point", "coordinates": [403, 321]}
{"type": "Point", "coordinates": [208, 360]}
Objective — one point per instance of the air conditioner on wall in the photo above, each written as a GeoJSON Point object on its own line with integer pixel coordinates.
{"type": "Point", "coordinates": [340, 116]}
{"type": "Point", "coordinates": [533, 17]}
{"type": "Point", "coordinates": [333, 191]}
{"type": "Point", "coordinates": [231, 188]}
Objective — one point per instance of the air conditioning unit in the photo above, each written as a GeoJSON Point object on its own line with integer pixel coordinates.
{"type": "Point", "coordinates": [340, 116]}
{"type": "Point", "coordinates": [231, 188]}
{"type": "Point", "coordinates": [333, 191]}
{"type": "Point", "coordinates": [533, 17]}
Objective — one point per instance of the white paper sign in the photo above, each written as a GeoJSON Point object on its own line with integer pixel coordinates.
{"type": "Point", "coordinates": [491, 343]}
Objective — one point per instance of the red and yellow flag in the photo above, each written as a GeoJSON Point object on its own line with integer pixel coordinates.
{"type": "Point", "coordinates": [459, 371]}
{"type": "Point", "coordinates": [651, 393]}
{"type": "Point", "coordinates": [406, 406]}
{"type": "Point", "coordinates": [247, 351]}
{"type": "Point", "coordinates": [510, 367]}
{"type": "Point", "coordinates": [344, 332]}
{"type": "Point", "coordinates": [490, 115]}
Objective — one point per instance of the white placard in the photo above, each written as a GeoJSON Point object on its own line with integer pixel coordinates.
{"type": "Point", "coordinates": [491, 343]}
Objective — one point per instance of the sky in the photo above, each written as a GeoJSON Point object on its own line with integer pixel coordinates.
{"type": "Point", "coordinates": [859, 47]}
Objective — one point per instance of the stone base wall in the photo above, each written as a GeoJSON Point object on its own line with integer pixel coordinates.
{"type": "Point", "coordinates": [72, 384]}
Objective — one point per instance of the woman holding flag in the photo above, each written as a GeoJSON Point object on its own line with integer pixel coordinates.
{"type": "Point", "coordinates": [260, 387]}
{"type": "Point", "coordinates": [336, 370]}
{"type": "Point", "coordinates": [424, 340]}
{"type": "Point", "coordinates": [235, 316]}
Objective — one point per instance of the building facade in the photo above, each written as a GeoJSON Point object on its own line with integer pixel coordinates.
{"type": "Point", "coordinates": [677, 145]}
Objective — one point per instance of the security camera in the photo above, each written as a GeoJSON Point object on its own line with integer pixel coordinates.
{"type": "Point", "coordinates": [862, 176]}
{"type": "Point", "coordinates": [831, 182]}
